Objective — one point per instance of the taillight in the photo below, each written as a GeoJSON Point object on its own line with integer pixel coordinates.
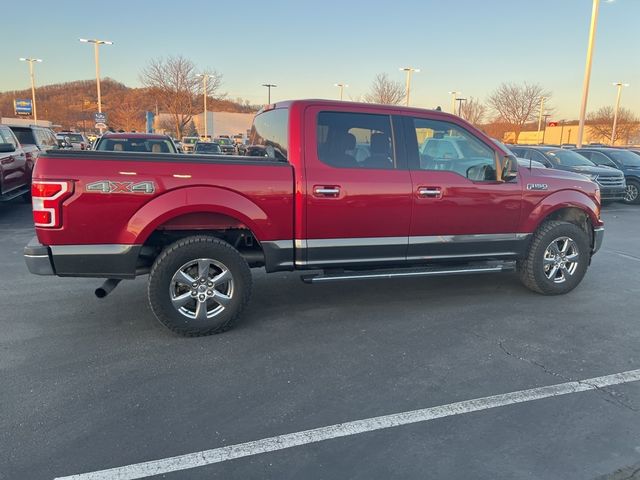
{"type": "Point", "coordinates": [47, 198]}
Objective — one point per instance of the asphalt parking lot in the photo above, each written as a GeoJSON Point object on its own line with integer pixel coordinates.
{"type": "Point", "coordinates": [90, 384]}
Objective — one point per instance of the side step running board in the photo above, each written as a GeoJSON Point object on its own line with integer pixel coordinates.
{"type": "Point", "coordinates": [14, 194]}
{"type": "Point", "coordinates": [409, 272]}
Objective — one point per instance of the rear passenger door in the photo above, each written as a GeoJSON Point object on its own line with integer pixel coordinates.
{"type": "Point", "coordinates": [358, 190]}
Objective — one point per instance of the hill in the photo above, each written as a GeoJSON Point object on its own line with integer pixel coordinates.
{"type": "Point", "coordinates": [71, 105]}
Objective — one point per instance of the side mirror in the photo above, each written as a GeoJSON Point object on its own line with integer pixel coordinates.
{"type": "Point", "coordinates": [7, 147]}
{"type": "Point", "coordinates": [508, 168]}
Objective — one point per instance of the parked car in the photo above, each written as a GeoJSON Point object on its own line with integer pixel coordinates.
{"type": "Point", "coordinates": [207, 148]}
{"type": "Point", "coordinates": [77, 140]}
{"type": "Point", "coordinates": [34, 139]}
{"type": "Point", "coordinates": [523, 162]}
{"type": "Point", "coordinates": [227, 145]}
{"type": "Point", "coordinates": [135, 142]}
{"type": "Point", "coordinates": [611, 182]}
{"type": "Point", "coordinates": [621, 159]}
{"type": "Point", "coordinates": [197, 225]}
{"type": "Point", "coordinates": [188, 144]}
{"type": "Point", "coordinates": [15, 167]}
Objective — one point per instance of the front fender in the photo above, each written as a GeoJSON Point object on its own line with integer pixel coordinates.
{"type": "Point", "coordinates": [557, 201]}
{"type": "Point", "coordinates": [194, 200]}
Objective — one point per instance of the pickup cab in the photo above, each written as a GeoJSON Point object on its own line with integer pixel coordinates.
{"type": "Point", "coordinates": [15, 167]}
{"type": "Point", "coordinates": [344, 191]}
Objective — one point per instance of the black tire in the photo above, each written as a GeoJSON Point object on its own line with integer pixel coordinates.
{"type": "Point", "coordinates": [162, 286]}
{"type": "Point", "coordinates": [532, 270]}
{"type": "Point", "coordinates": [634, 190]}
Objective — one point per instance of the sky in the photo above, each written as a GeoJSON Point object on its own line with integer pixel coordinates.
{"type": "Point", "coordinates": [305, 47]}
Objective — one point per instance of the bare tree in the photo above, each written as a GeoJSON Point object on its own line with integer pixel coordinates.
{"type": "Point", "coordinates": [473, 111]}
{"type": "Point", "coordinates": [600, 124]}
{"type": "Point", "coordinates": [386, 91]}
{"type": "Point", "coordinates": [517, 104]}
{"type": "Point", "coordinates": [175, 81]}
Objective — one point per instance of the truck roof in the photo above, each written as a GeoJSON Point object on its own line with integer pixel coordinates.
{"type": "Point", "coordinates": [151, 136]}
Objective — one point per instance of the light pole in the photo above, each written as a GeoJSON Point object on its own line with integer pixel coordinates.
{"type": "Point", "coordinates": [615, 114]}
{"type": "Point", "coordinates": [31, 61]}
{"type": "Point", "coordinates": [269, 86]}
{"type": "Point", "coordinates": [561, 130]}
{"type": "Point", "coordinates": [453, 101]}
{"type": "Point", "coordinates": [409, 71]}
{"type": "Point", "coordinates": [205, 76]}
{"type": "Point", "coordinates": [96, 51]}
{"type": "Point", "coordinates": [544, 132]}
{"type": "Point", "coordinates": [342, 86]}
{"type": "Point", "coordinates": [460, 100]}
{"type": "Point", "coordinates": [587, 71]}
{"type": "Point", "coordinates": [540, 118]}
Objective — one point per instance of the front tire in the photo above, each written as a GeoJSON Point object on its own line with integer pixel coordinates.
{"type": "Point", "coordinates": [632, 192]}
{"type": "Point", "coordinates": [198, 286]}
{"type": "Point", "coordinates": [557, 259]}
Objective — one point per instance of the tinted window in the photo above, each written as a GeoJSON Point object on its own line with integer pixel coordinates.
{"type": "Point", "coordinates": [355, 140]}
{"type": "Point", "coordinates": [25, 136]}
{"type": "Point", "coordinates": [627, 159]}
{"type": "Point", "coordinates": [446, 146]}
{"type": "Point", "coordinates": [271, 130]}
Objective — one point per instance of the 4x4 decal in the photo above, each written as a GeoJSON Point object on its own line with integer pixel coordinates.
{"type": "Point", "coordinates": [109, 186]}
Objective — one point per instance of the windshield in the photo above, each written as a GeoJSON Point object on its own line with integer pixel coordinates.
{"type": "Point", "coordinates": [628, 159]}
{"type": "Point", "coordinates": [207, 148]}
{"type": "Point", "coordinates": [189, 140]}
{"type": "Point", "coordinates": [223, 141]}
{"type": "Point", "coordinates": [144, 145]}
{"type": "Point", "coordinates": [568, 158]}
{"type": "Point", "coordinates": [504, 147]}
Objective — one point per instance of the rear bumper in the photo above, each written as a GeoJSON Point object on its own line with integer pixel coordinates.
{"type": "Point", "coordinates": [98, 261]}
{"type": "Point", "coordinates": [38, 258]}
{"type": "Point", "coordinates": [598, 237]}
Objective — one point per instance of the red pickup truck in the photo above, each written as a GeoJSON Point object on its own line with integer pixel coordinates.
{"type": "Point", "coordinates": [346, 191]}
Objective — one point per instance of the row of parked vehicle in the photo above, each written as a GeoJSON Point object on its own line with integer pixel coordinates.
{"type": "Point", "coordinates": [615, 170]}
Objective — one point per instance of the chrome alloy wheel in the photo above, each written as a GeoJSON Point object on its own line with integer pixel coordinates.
{"type": "Point", "coordinates": [561, 259]}
{"type": "Point", "coordinates": [631, 193]}
{"type": "Point", "coordinates": [201, 289]}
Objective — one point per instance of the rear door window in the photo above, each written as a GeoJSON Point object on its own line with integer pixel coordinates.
{"type": "Point", "coordinates": [355, 140]}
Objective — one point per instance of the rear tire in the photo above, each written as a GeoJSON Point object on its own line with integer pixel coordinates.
{"type": "Point", "coordinates": [198, 286]}
{"type": "Point", "coordinates": [557, 259]}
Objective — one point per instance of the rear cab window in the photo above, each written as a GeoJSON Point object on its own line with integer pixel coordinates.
{"type": "Point", "coordinates": [270, 130]}
{"type": "Point", "coordinates": [25, 136]}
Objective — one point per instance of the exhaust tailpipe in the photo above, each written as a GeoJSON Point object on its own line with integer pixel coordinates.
{"type": "Point", "coordinates": [106, 288]}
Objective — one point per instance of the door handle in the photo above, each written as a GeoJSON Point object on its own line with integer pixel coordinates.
{"type": "Point", "coordinates": [430, 192]}
{"type": "Point", "coordinates": [325, 191]}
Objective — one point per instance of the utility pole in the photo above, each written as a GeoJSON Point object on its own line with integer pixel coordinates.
{"type": "Point", "coordinates": [96, 53]}
{"type": "Point", "coordinates": [540, 119]}
{"type": "Point", "coordinates": [453, 101]}
{"type": "Point", "coordinates": [409, 71]}
{"type": "Point", "coordinates": [587, 71]}
{"type": "Point", "coordinates": [561, 130]}
{"type": "Point", "coordinates": [342, 86]}
{"type": "Point", "coordinates": [31, 61]}
{"type": "Point", "coordinates": [615, 115]}
{"type": "Point", "coordinates": [269, 86]}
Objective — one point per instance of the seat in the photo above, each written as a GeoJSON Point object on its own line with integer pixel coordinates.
{"type": "Point", "coordinates": [334, 151]}
{"type": "Point", "coordinates": [117, 147]}
{"type": "Point", "coordinates": [380, 152]}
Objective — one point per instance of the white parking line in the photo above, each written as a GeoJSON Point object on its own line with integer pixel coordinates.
{"type": "Point", "coordinates": [281, 442]}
